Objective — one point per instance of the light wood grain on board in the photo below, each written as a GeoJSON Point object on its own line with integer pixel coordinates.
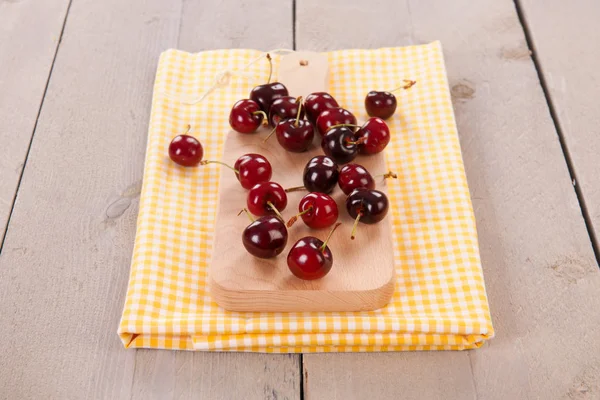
{"type": "Point", "coordinates": [362, 276]}
{"type": "Point", "coordinates": [541, 275]}
{"type": "Point", "coordinates": [566, 38]}
{"type": "Point", "coordinates": [65, 263]}
{"type": "Point", "coordinates": [29, 35]}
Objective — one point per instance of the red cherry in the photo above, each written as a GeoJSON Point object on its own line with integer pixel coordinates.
{"type": "Point", "coordinates": [373, 136]}
{"type": "Point", "coordinates": [334, 116]}
{"type": "Point", "coordinates": [266, 237]}
{"type": "Point", "coordinates": [316, 103]}
{"type": "Point", "coordinates": [252, 169]}
{"type": "Point", "coordinates": [383, 104]}
{"type": "Point", "coordinates": [283, 108]}
{"type": "Point", "coordinates": [317, 210]}
{"type": "Point", "coordinates": [354, 176]}
{"type": "Point", "coordinates": [339, 144]}
{"type": "Point", "coordinates": [367, 206]}
{"type": "Point", "coordinates": [310, 258]}
{"type": "Point", "coordinates": [246, 116]}
{"type": "Point", "coordinates": [186, 150]}
{"type": "Point", "coordinates": [264, 95]}
{"type": "Point", "coordinates": [266, 198]}
{"type": "Point", "coordinates": [295, 136]}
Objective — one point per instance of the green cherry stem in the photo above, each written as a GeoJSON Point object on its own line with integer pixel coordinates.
{"type": "Point", "coordinates": [245, 210]}
{"type": "Point", "coordinates": [324, 246]}
{"type": "Point", "coordinates": [407, 85]}
{"type": "Point", "coordinates": [293, 220]}
{"type": "Point", "coordinates": [265, 120]}
{"type": "Point", "coordinates": [275, 210]}
{"type": "Point", "coordinates": [205, 162]}
{"type": "Point", "coordinates": [353, 234]}
{"type": "Point", "coordinates": [343, 125]}
{"type": "Point", "coordinates": [270, 68]}
{"type": "Point", "coordinates": [295, 189]}
{"type": "Point", "coordinates": [299, 101]}
{"type": "Point", "coordinates": [270, 134]}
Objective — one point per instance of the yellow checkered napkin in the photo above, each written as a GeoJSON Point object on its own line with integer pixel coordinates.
{"type": "Point", "coordinates": [440, 300]}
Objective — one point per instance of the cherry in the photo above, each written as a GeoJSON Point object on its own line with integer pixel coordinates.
{"type": "Point", "coordinates": [354, 176]}
{"type": "Point", "coordinates": [283, 108]}
{"type": "Point", "coordinates": [264, 95]}
{"type": "Point", "coordinates": [318, 210]}
{"type": "Point", "coordinates": [266, 198]}
{"type": "Point", "coordinates": [383, 104]}
{"type": "Point", "coordinates": [186, 150]}
{"type": "Point", "coordinates": [265, 237]}
{"type": "Point", "coordinates": [295, 135]}
{"type": "Point", "coordinates": [320, 175]}
{"type": "Point", "coordinates": [339, 144]}
{"type": "Point", "coordinates": [246, 116]}
{"type": "Point", "coordinates": [334, 116]}
{"type": "Point", "coordinates": [310, 258]}
{"type": "Point", "coordinates": [316, 103]}
{"type": "Point", "coordinates": [373, 136]}
{"type": "Point", "coordinates": [252, 169]}
{"type": "Point", "coordinates": [368, 206]}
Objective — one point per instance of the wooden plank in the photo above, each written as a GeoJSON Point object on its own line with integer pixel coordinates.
{"type": "Point", "coordinates": [541, 275]}
{"type": "Point", "coordinates": [29, 36]}
{"type": "Point", "coordinates": [565, 40]}
{"type": "Point", "coordinates": [65, 264]}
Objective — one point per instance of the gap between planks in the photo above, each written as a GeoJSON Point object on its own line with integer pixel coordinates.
{"type": "Point", "coordinates": [561, 137]}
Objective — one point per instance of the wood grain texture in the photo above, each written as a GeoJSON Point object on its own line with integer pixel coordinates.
{"type": "Point", "coordinates": [65, 264]}
{"type": "Point", "coordinates": [361, 279]}
{"type": "Point", "coordinates": [565, 40]}
{"type": "Point", "coordinates": [540, 272]}
{"type": "Point", "coordinates": [29, 36]}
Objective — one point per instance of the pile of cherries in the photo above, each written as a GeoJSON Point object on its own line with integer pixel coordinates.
{"type": "Point", "coordinates": [341, 141]}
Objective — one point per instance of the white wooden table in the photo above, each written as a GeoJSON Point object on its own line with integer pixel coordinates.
{"type": "Point", "coordinates": [72, 141]}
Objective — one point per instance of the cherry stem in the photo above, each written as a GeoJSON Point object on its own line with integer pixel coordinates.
{"type": "Point", "coordinates": [295, 189]}
{"type": "Point", "coordinates": [359, 141]}
{"type": "Point", "coordinates": [245, 210]}
{"type": "Point", "coordinates": [265, 120]}
{"type": "Point", "coordinates": [343, 125]}
{"type": "Point", "coordinates": [275, 210]}
{"type": "Point", "coordinates": [407, 85]}
{"type": "Point", "coordinates": [189, 127]}
{"type": "Point", "coordinates": [387, 175]}
{"type": "Point", "coordinates": [269, 135]}
{"type": "Point", "coordinates": [293, 220]}
{"type": "Point", "coordinates": [270, 68]}
{"type": "Point", "coordinates": [353, 234]}
{"type": "Point", "coordinates": [204, 162]}
{"type": "Point", "coordinates": [324, 246]}
{"type": "Point", "coordinates": [299, 101]}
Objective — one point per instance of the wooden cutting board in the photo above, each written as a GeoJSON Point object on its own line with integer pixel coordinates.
{"type": "Point", "coordinates": [362, 276]}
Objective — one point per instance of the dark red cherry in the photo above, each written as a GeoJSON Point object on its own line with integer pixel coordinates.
{"type": "Point", "coordinates": [252, 169]}
{"type": "Point", "coordinates": [316, 103]}
{"type": "Point", "coordinates": [283, 108]}
{"type": "Point", "coordinates": [317, 210]}
{"type": "Point", "coordinates": [266, 198]}
{"type": "Point", "coordinates": [266, 237]}
{"type": "Point", "coordinates": [354, 176]}
{"type": "Point", "coordinates": [186, 150]}
{"type": "Point", "coordinates": [339, 144]}
{"type": "Point", "coordinates": [368, 206]}
{"type": "Point", "coordinates": [295, 135]}
{"type": "Point", "coordinates": [334, 116]}
{"type": "Point", "coordinates": [320, 174]}
{"type": "Point", "coordinates": [373, 136]}
{"type": "Point", "coordinates": [380, 104]}
{"type": "Point", "coordinates": [310, 258]}
{"type": "Point", "coordinates": [265, 94]}
{"type": "Point", "coordinates": [246, 116]}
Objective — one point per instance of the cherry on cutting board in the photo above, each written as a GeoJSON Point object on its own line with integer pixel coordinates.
{"type": "Point", "coordinates": [373, 136]}
{"type": "Point", "coordinates": [246, 116]}
{"type": "Point", "coordinates": [264, 95]}
{"type": "Point", "coordinates": [295, 135]}
{"type": "Point", "coordinates": [339, 143]}
{"type": "Point", "coordinates": [265, 237]}
{"type": "Point", "coordinates": [283, 108]}
{"type": "Point", "coordinates": [310, 258]}
{"type": "Point", "coordinates": [317, 210]}
{"type": "Point", "coordinates": [249, 169]}
{"type": "Point", "coordinates": [266, 198]}
{"type": "Point", "coordinates": [354, 176]}
{"type": "Point", "coordinates": [186, 150]}
{"type": "Point", "coordinates": [368, 206]}
{"type": "Point", "coordinates": [334, 116]}
{"type": "Point", "coordinates": [316, 103]}
{"type": "Point", "coordinates": [320, 175]}
{"type": "Point", "coordinates": [383, 104]}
